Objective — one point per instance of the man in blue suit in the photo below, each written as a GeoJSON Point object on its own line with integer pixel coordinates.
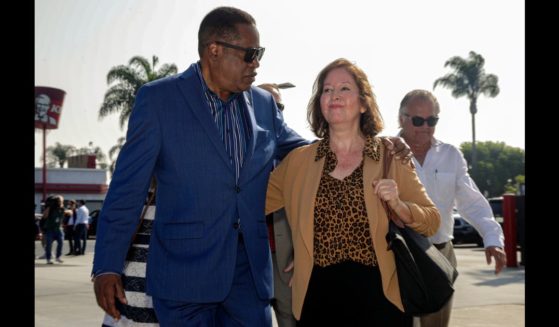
{"type": "Point", "coordinates": [209, 139]}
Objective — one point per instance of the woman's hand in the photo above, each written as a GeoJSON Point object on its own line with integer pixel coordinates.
{"type": "Point", "coordinates": [387, 190]}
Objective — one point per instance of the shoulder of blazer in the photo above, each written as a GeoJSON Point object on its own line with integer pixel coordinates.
{"type": "Point", "coordinates": [301, 156]}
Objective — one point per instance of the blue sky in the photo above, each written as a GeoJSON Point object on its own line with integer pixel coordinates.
{"type": "Point", "coordinates": [401, 45]}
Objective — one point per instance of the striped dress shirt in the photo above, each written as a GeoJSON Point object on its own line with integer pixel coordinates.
{"type": "Point", "coordinates": [232, 121]}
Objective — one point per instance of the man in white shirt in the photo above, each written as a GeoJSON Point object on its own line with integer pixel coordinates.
{"type": "Point", "coordinates": [442, 169]}
{"type": "Point", "coordinates": [80, 228]}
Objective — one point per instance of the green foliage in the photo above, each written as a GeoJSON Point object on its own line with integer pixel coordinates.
{"type": "Point", "coordinates": [59, 154]}
{"type": "Point", "coordinates": [468, 78]}
{"type": "Point", "coordinates": [114, 151]}
{"type": "Point", "coordinates": [497, 164]}
{"type": "Point", "coordinates": [125, 81]}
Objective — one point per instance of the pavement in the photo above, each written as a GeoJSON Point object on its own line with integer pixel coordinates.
{"type": "Point", "coordinates": [64, 293]}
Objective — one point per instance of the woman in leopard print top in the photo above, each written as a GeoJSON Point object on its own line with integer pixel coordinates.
{"type": "Point", "coordinates": [332, 192]}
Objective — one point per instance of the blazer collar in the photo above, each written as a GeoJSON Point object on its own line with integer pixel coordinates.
{"type": "Point", "coordinates": [371, 150]}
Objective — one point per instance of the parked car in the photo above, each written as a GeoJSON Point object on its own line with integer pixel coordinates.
{"type": "Point", "coordinates": [464, 232]}
{"type": "Point", "coordinates": [92, 230]}
{"type": "Point", "coordinates": [497, 207]}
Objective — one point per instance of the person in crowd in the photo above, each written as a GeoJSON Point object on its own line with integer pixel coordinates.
{"type": "Point", "coordinates": [442, 169]}
{"type": "Point", "coordinates": [42, 230]}
{"type": "Point", "coordinates": [54, 212]}
{"type": "Point", "coordinates": [68, 223]}
{"type": "Point", "coordinates": [332, 191]}
{"type": "Point", "coordinates": [81, 226]}
{"type": "Point", "coordinates": [281, 246]}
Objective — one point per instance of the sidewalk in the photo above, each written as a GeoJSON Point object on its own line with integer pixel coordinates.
{"type": "Point", "coordinates": [483, 299]}
{"type": "Point", "coordinates": [64, 294]}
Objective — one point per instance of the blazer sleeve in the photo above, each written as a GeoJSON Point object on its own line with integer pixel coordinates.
{"type": "Point", "coordinates": [121, 210]}
{"type": "Point", "coordinates": [274, 194]}
{"type": "Point", "coordinates": [425, 214]}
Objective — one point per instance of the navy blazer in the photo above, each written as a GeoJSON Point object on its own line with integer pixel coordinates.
{"type": "Point", "coordinates": [172, 135]}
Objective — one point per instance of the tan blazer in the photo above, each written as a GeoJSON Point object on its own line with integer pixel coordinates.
{"type": "Point", "coordinates": [294, 184]}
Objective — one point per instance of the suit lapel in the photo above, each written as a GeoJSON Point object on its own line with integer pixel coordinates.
{"type": "Point", "coordinates": [258, 134]}
{"type": "Point", "coordinates": [255, 129]}
{"type": "Point", "coordinates": [193, 94]}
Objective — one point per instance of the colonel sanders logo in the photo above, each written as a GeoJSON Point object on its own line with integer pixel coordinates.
{"type": "Point", "coordinates": [48, 107]}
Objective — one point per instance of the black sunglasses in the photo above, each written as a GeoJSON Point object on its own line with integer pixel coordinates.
{"type": "Point", "coordinates": [250, 53]}
{"type": "Point", "coordinates": [280, 106]}
{"type": "Point", "coordinates": [419, 121]}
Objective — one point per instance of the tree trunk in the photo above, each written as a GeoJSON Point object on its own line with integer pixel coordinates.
{"type": "Point", "coordinates": [473, 142]}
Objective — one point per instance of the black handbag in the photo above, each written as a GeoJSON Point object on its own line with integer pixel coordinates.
{"type": "Point", "coordinates": [425, 276]}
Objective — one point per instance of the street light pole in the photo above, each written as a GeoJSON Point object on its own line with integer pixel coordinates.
{"type": "Point", "coordinates": [44, 163]}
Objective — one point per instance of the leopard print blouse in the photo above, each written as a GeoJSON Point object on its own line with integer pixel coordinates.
{"type": "Point", "coordinates": [341, 226]}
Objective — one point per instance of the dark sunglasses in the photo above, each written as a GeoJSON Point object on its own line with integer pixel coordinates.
{"type": "Point", "coordinates": [250, 53]}
{"type": "Point", "coordinates": [280, 106]}
{"type": "Point", "coordinates": [419, 121]}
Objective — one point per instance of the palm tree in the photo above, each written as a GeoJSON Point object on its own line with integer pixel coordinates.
{"type": "Point", "coordinates": [59, 153]}
{"type": "Point", "coordinates": [114, 151]}
{"type": "Point", "coordinates": [120, 96]}
{"type": "Point", "coordinates": [469, 79]}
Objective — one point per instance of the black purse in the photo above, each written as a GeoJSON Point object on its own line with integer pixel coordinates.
{"type": "Point", "coordinates": [425, 276]}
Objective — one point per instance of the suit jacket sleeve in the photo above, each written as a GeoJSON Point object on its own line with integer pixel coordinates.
{"type": "Point", "coordinates": [129, 185]}
{"type": "Point", "coordinates": [286, 138]}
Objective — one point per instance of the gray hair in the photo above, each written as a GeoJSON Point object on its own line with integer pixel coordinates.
{"type": "Point", "coordinates": [418, 94]}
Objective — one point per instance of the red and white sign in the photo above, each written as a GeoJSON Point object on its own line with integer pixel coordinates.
{"type": "Point", "coordinates": [48, 106]}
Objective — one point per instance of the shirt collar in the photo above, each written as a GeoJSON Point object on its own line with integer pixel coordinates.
{"type": "Point", "coordinates": [371, 150]}
{"type": "Point", "coordinates": [211, 94]}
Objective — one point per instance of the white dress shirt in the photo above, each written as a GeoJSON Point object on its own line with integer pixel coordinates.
{"type": "Point", "coordinates": [82, 215]}
{"type": "Point", "coordinates": [445, 176]}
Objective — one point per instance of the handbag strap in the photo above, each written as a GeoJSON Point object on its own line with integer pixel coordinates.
{"type": "Point", "coordinates": [386, 161]}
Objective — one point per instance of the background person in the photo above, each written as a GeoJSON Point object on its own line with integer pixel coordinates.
{"type": "Point", "coordinates": [281, 246]}
{"type": "Point", "coordinates": [68, 223]}
{"type": "Point", "coordinates": [344, 274]}
{"type": "Point", "coordinates": [54, 212]}
{"type": "Point", "coordinates": [444, 173]}
{"type": "Point", "coordinates": [81, 226]}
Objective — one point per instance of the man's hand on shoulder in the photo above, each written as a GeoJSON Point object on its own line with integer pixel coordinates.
{"type": "Point", "coordinates": [399, 148]}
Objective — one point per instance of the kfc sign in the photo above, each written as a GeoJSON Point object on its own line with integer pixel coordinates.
{"type": "Point", "coordinates": [48, 106]}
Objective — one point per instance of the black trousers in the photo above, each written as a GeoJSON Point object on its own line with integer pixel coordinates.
{"type": "Point", "coordinates": [349, 294]}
